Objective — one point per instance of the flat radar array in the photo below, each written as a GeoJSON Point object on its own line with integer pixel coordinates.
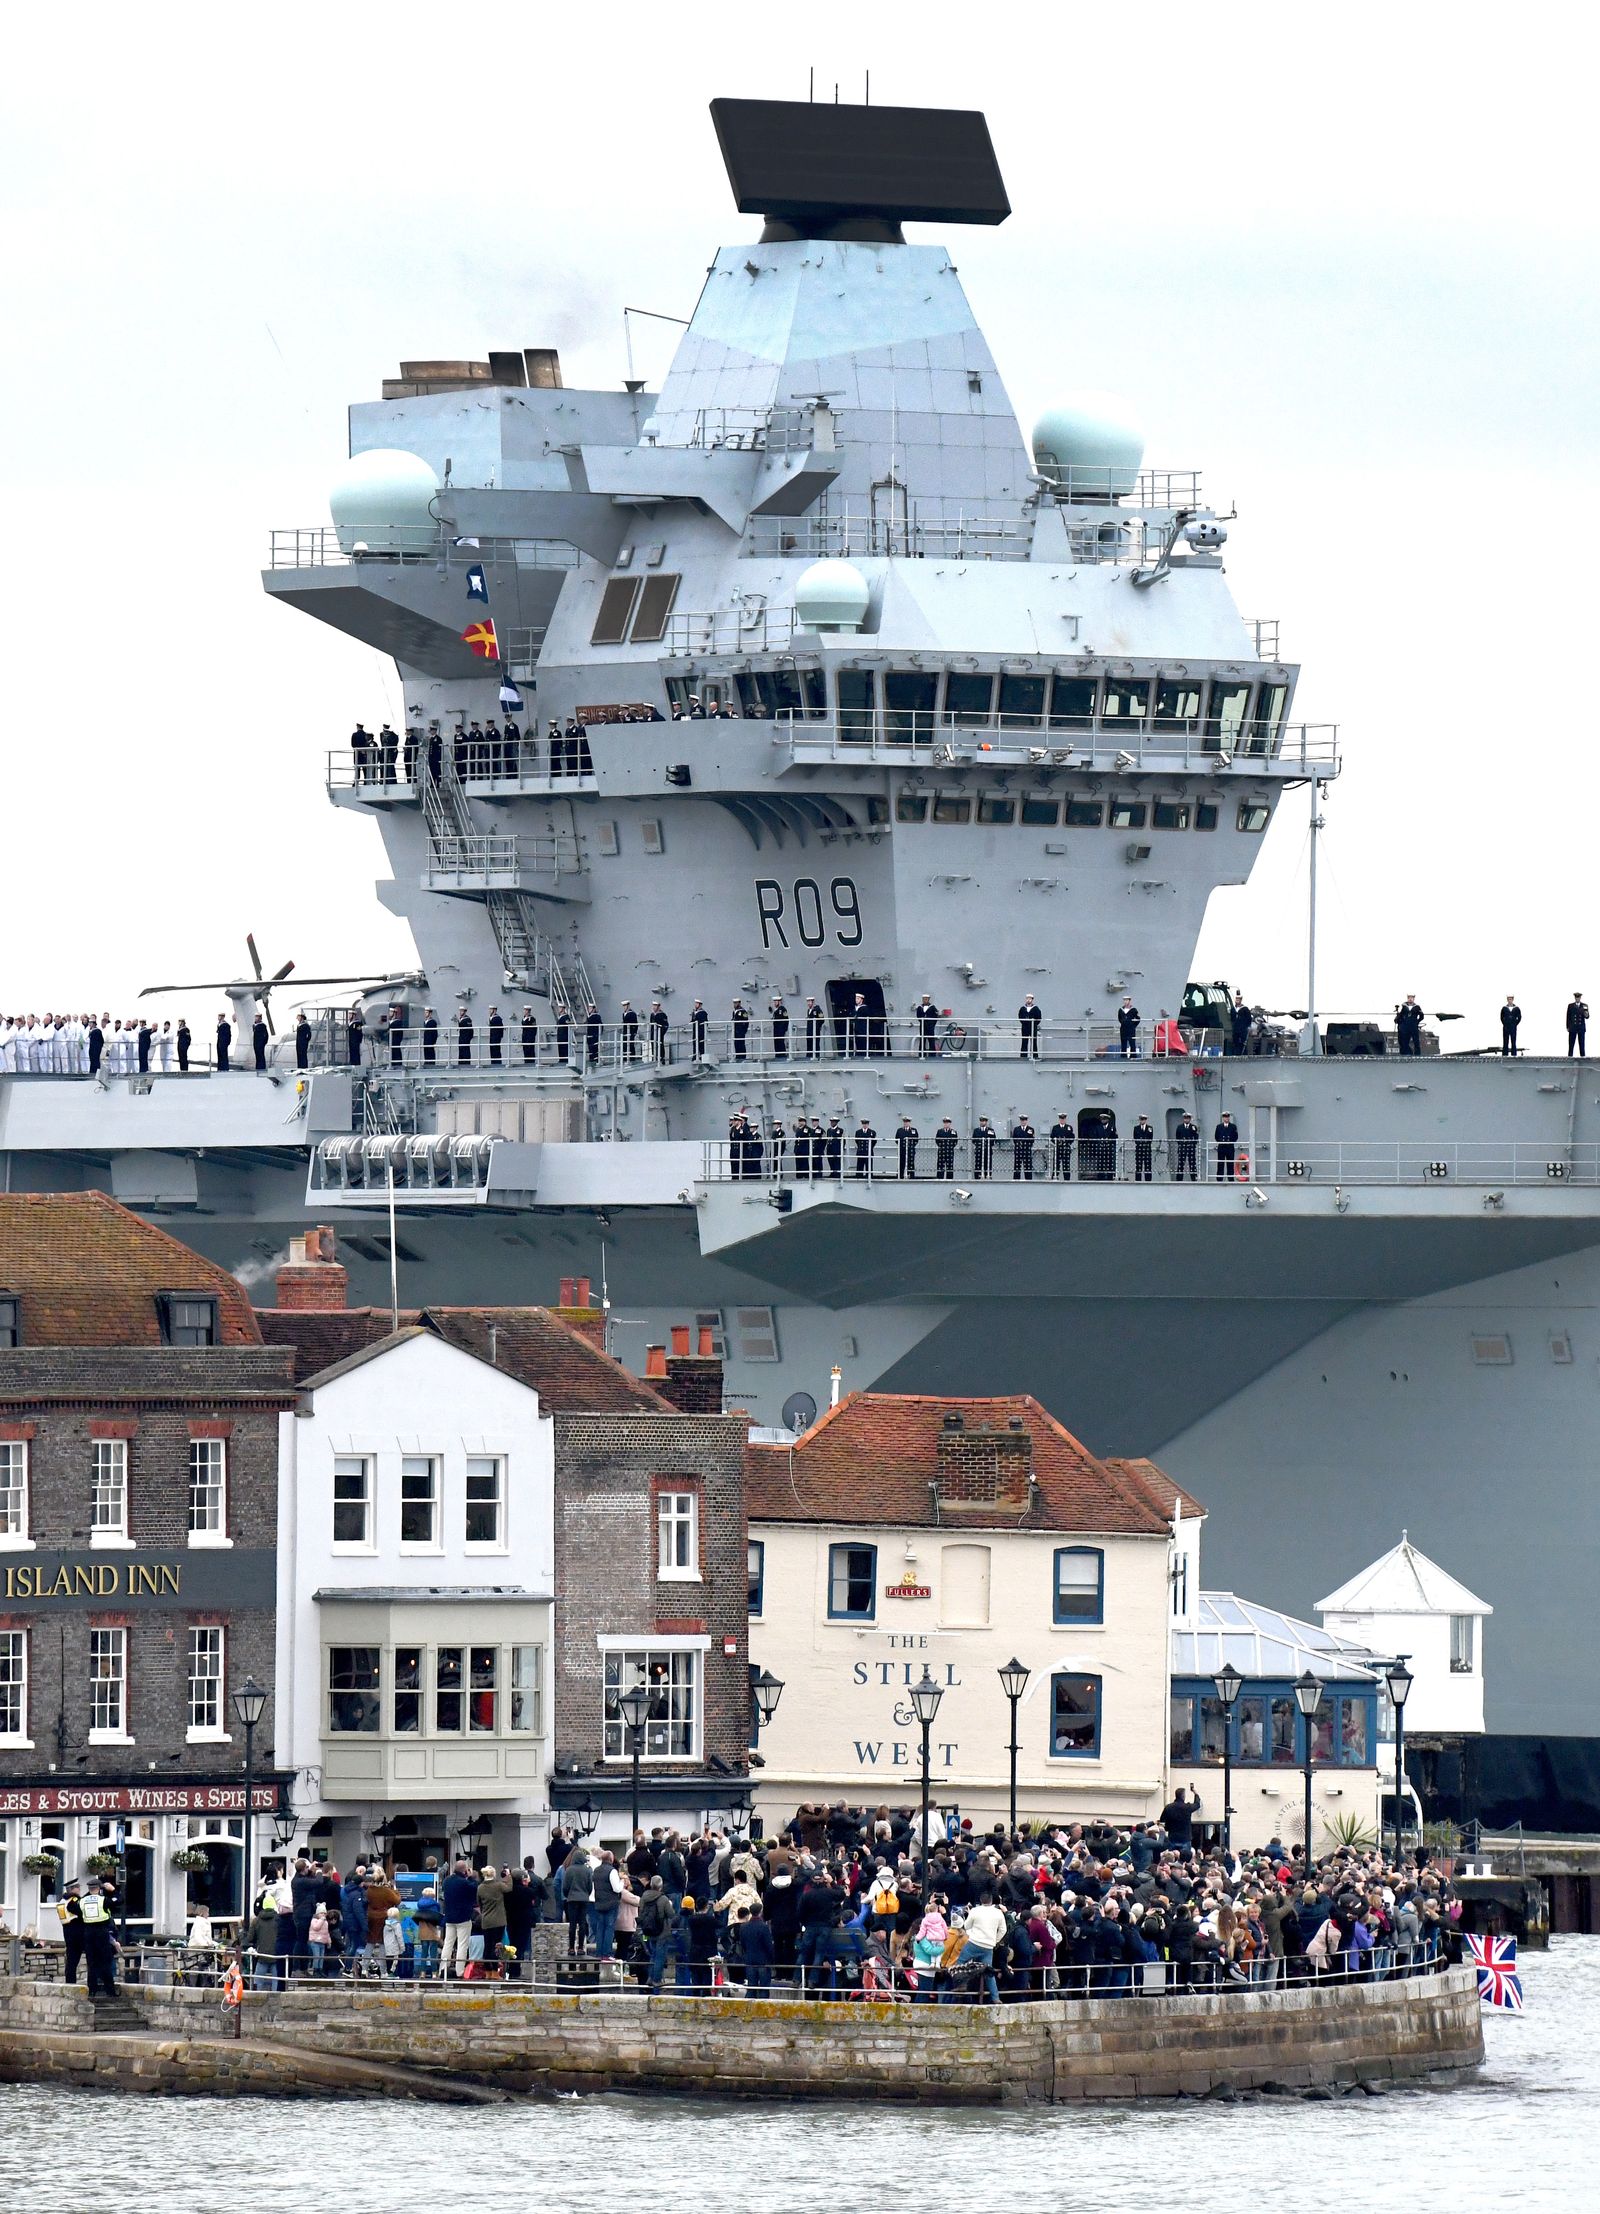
{"type": "Point", "coordinates": [825, 170]}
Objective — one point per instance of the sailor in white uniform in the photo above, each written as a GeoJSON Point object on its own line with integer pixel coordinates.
{"type": "Point", "coordinates": [60, 1049]}
{"type": "Point", "coordinates": [164, 1047]}
{"type": "Point", "coordinates": [8, 1046]}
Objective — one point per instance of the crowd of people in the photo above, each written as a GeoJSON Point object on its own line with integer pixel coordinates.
{"type": "Point", "coordinates": [488, 750]}
{"type": "Point", "coordinates": [92, 1045]}
{"type": "Point", "coordinates": [844, 1900]}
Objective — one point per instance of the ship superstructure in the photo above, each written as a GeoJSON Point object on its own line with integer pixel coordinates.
{"type": "Point", "coordinates": [808, 679]}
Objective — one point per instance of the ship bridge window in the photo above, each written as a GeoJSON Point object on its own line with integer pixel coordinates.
{"type": "Point", "coordinates": [952, 807]}
{"type": "Point", "coordinates": [1072, 702]}
{"type": "Point", "coordinates": [969, 697]}
{"type": "Point", "coordinates": [1084, 814]}
{"type": "Point", "coordinates": [616, 608]}
{"type": "Point", "coordinates": [1022, 702]}
{"type": "Point", "coordinates": [1128, 814]}
{"type": "Point", "coordinates": [1039, 808]}
{"type": "Point", "coordinates": [911, 807]}
{"type": "Point", "coordinates": [1205, 814]}
{"type": "Point", "coordinates": [1271, 701]}
{"type": "Point", "coordinates": [1177, 703]}
{"type": "Point", "coordinates": [655, 605]}
{"type": "Point", "coordinates": [909, 698]}
{"type": "Point", "coordinates": [767, 693]}
{"type": "Point", "coordinates": [877, 808]}
{"type": "Point", "coordinates": [1126, 701]}
{"type": "Point", "coordinates": [857, 705]}
{"type": "Point", "coordinates": [1254, 815]}
{"type": "Point", "coordinates": [996, 807]}
{"type": "Point", "coordinates": [1170, 815]}
{"type": "Point", "coordinates": [1230, 712]}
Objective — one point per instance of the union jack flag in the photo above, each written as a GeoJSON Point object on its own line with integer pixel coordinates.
{"type": "Point", "coordinates": [1495, 1959]}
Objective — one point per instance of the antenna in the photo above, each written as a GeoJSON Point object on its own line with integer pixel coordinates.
{"type": "Point", "coordinates": [394, 1259]}
{"type": "Point", "coordinates": [1317, 824]}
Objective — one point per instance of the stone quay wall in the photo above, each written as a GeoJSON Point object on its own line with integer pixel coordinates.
{"type": "Point", "coordinates": [1047, 2053]}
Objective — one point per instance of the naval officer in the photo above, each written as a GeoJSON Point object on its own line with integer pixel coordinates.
{"type": "Point", "coordinates": [698, 1019]}
{"type": "Point", "coordinates": [1578, 1027]}
{"type": "Point", "coordinates": [185, 1040]}
{"type": "Point", "coordinates": [945, 1140]}
{"type": "Point", "coordinates": [1226, 1136]}
{"type": "Point", "coordinates": [659, 1027]}
{"type": "Point", "coordinates": [1510, 1021]}
{"type": "Point", "coordinates": [258, 1040]}
{"type": "Point", "coordinates": [1061, 1137]}
{"type": "Point", "coordinates": [984, 1138]}
{"type": "Point", "coordinates": [1030, 1017]}
{"type": "Point", "coordinates": [1144, 1139]}
{"type": "Point", "coordinates": [1188, 1144]}
{"type": "Point", "coordinates": [302, 1040]}
{"type": "Point", "coordinates": [814, 1024]}
{"type": "Point", "coordinates": [905, 1139]}
{"type": "Point", "coordinates": [530, 1037]}
{"type": "Point", "coordinates": [224, 1041]}
{"type": "Point", "coordinates": [1408, 1026]}
{"type": "Point", "coordinates": [497, 1037]}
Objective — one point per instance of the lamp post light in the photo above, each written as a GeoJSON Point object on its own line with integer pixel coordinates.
{"type": "Point", "coordinates": [1308, 1697]}
{"type": "Point", "coordinates": [635, 1708]}
{"type": "Point", "coordinates": [1229, 1683]}
{"type": "Point", "coordinates": [588, 1817]}
{"type": "Point", "coordinates": [925, 1697]}
{"type": "Point", "coordinates": [1014, 1682]}
{"type": "Point", "coordinates": [1399, 1680]}
{"type": "Point", "coordinates": [249, 1704]}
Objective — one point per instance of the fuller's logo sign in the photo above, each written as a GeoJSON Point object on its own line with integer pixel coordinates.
{"type": "Point", "coordinates": [907, 1588]}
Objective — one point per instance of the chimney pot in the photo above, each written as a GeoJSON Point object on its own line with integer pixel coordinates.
{"type": "Point", "coordinates": [567, 1299]}
{"type": "Point", "coordinates": [655, 1360]}
{"type": "Point", "coordinates": [680, 1341]}
{"type": "Point", "coordinates": [581, 1293]}
{"type": "Point", "coordinates": [705, 1341]}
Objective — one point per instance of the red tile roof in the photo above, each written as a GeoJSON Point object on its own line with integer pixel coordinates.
{"type": "Point", "coordinates": [88, 1272]}
{"type": "Point", "coordinates": [1160, 1488]}
{"type": "Point", "coordinates": [532, 1344]}
{"type": "Point", "coordinates": [874, 1457]}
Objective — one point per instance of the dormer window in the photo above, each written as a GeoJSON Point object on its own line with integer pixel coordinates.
{"type": "Point", "coordinates": [10, 1321]}
{"type": "Point", "coordinates": [189, 1318]}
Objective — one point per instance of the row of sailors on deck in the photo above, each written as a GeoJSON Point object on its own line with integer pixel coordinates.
{"type": "Point", "coordinates": [480, 750]}
{"type": "Point", "coordinates": [86, 1045]}
{"type": "Point", "coordinates": [819, 1149]}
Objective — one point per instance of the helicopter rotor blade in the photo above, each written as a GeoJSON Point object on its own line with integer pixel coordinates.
{"type": "Point", "coordinates": [278, 975]}
{"type": "Point", "coordinates": [255, 958]}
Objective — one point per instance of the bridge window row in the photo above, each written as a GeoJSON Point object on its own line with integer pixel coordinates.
{"type": "Point", "coordinates": [1041, 810]}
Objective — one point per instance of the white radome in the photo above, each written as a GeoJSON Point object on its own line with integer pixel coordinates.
{"type": "Point", "coordinates": [831, 595]}
{"type": "Point", "coordinates": [1093, 436]}
{"type": "Point", "coordinates": [382, 501]}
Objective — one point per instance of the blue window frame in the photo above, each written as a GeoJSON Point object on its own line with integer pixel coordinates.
{"type": "Point", "coordinates": [1268, 1731]}
{"type": "Point", "coordinates": [852, 1583]}
{"type": "Point", "coordinates": [1074, 1717]}
{"type": "Point", "coordinates": [1080, 1587]}
{"type": "Point", "coordinates": [756, 1572]}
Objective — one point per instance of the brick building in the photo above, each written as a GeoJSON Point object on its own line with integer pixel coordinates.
{"type": "Point", "coordinates": [138, 1534]}
{"type": "Point", "coordinates": [650, 1542]}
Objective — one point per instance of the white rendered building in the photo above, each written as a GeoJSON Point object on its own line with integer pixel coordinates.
{"type": "Point", "coordinates": [1406, 1603]}
{"type": "Point", "coordinates": [415, 1582]}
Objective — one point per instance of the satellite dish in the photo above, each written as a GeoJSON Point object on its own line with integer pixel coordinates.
{"type": "Point", "coordinates": [799, 1411]}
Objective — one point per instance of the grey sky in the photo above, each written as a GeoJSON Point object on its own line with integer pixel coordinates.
{"type": "Point", "coordinates": [1345, 265]}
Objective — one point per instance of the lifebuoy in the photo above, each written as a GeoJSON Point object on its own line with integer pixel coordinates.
{"type": "Point", "coordinates": [233, 1986]}
{"type": "Point", "coordinates": [1241, 1166]}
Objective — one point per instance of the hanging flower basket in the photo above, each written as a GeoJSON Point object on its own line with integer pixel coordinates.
{"type": "Point", "coordinates": [191, 1858]}
{"type": "Point", "coordinates": [41, 1864]}
{"type": "Point", "coordinates": [101, 1864]}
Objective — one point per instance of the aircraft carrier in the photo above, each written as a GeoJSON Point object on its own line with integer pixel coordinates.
{"type": "Point", "coordinates": [810, 679]}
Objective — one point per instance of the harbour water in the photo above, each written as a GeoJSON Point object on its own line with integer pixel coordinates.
{"type": "Point", "coordinates": [1522, 2131]}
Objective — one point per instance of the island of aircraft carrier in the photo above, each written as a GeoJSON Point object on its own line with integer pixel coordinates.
{"type": "Point", "coordinates": [805, 807]}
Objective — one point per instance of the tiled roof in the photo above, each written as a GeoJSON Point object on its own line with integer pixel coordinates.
{"type": "Point", "coordinates": [1160, 1489]}
{"type": "Point", "coordinates": [88, 1272]}
{"type": "Point", "coordinates": [532, 1344]}
{"type": "Point", "coordinates": [1403, 1581]}
{"type": "Point", "coordinates": [873, 1458]}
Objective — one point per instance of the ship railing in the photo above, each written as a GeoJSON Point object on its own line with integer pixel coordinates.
{"type": "Point", "coordinates": [756, 628]}
{"type": "Point", "coordinates": [323, 546]}
{"type": "Point", "coordinates": [936, 740]}
{"type": "Point", "coordinates": [1093, 1155]}
{"type": "Point", "coordinates": [462, 862]}
{"type": "Point", "coordinates": [1100, 486]}
{"type": "Point", "coordinates": [775, 430]}
{"type": "Point", "coordinates": [958, 537]}
{"type": "Point", "coordinates": [526, 765]}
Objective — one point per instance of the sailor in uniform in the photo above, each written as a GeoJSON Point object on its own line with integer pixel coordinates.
{"type": "Point", "coordinates": [164, 1047]}
{"type": "Point", "coordinates": [530, 1037]}
{"type": "Point", "coordinates": [8, 1047]}
{"type": "Point", "coordinates": [1239, 1021]}
{"type": "Point", "coordinates": [258, 1039]}
{"type": "Point", "coordinates": [814, 1027]}
{"type": "Point", "coordinates": [1144, 1139]}
{"type": "Point", "coordinates": [905, 1139]}
{"type": "Point", "coordinates": [361, 747]}
{"type": "Point", "coordinates": [945, 1140]}
{"type": "Point", "coordinates": [464, 1035]}
{"type": "Point", "coordinates": [397, 1036]}
{"type": "Point", "coordinates": [591, 1033]}
{"type": "Point", "coordinates": [1128, 1029]}
{"type": "Point", "coordinates": [302, 1041]}
{"type": "Point", "coordinates": [739, 1029]}
{"type": "Point", "coordinates": [834, 1143]}
{"type": "Point", "coordinates": [1226, 1136]}
{"type": "Point", "coordinates": [860, 1028]}
{"type": "Point", "coordinates": [659, 1026]}
{"type": "Point", "coordinates": [926, 1016]}
{"type": "Point", "coordinates": [1061, 1137]}
{"type": "Point", "coordinates": [630, 1032]}
{"type": "Point", "coordinates": [866, 1143]}
{"type": "Point", "coordinates": [802, 1147]}
{"type": "Point", "coordinates": [1510, 1019]}
{"type": "Point", "coordinates": [185, 1038]}
{"type": "Point", "coordinates": [1031, 1018]}
{"type": "Point", "coordinates": [389, 750]}
{"type": "Point", "coordinates": [780, 1030]}
{"type": "Point", "coordinates": [983, 1145]}
{"type": "Point", "coordinates": [1408, 1027]}
{"type": "Point", "coordinates": [778, 1142]}
{"type": "Point", "coordinates": [1578, 1027]}
{"type": "Point", "coordinates": [497, 1037]}
{"type": "Point", "coordinates": [430, 1037]}
{"type": "Point", "coordinates": [224, 1043]}
{"type": "Point", "coordinates": [147, 1031]}
{"type": "Point", "coordinates": [563, 1032]}
{"type": "Point", "coordinates": [698, 1018]}
{"type": "Point", "coordinates": [1022, 1151]}
{"type": "Point", "coordinates": [1188, 1149]}
{"type": "Point", "coordinates": [355, 1033]}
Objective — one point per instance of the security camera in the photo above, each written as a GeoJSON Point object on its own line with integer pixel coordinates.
{"type": "Point", "coordinates": [1207, 537]}
{"type": "Point", "coordinates": [1126, 760]}
{"type": "Point", "coordinates": [1258, 1195]}
{"type": "Point", "coordinates": [960, 1197]}
{"type": "Point", "coordinates": [1038, 753]}
{"type": "Point", "coordinates": [1223, 761]}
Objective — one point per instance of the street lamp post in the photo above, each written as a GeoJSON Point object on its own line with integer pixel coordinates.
{"type": "Point", "coordinates": [588, 1818]}
{"type": "Point", "coordinates": [1399, 1680]}
{"type": "Point", "coordinates": [1229, 1683]}
{"type": "Point", "coordinates": [1308, 1697]}
{"type": "Point", "coordinates": [1014, 1682]}
{"type": "Point", "coordinates": [635, 1708]}
{"type": "Point", "coordinates": [925, 1697]}
{"type": "Point", "coordinates": [249, 1704]}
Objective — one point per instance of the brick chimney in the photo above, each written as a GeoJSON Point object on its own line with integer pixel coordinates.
{"type": "Point", "coordinates": [692, 1381]}
{"type": "Point", "coordinates": [312, 1277]}
{"type": "Point", "coordinates": [983, 1467]}
{"type": "Point", "coordinates": [579, 1313]}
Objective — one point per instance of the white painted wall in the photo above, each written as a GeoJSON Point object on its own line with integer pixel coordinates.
{"type": "Point", "coordinates": [1440, 1701]}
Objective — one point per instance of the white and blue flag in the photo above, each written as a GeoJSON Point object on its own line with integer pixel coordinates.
{"type": "Point", "coordinates": [510, 698]}
{"type": "Point", "coordinates": [477, 584]}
